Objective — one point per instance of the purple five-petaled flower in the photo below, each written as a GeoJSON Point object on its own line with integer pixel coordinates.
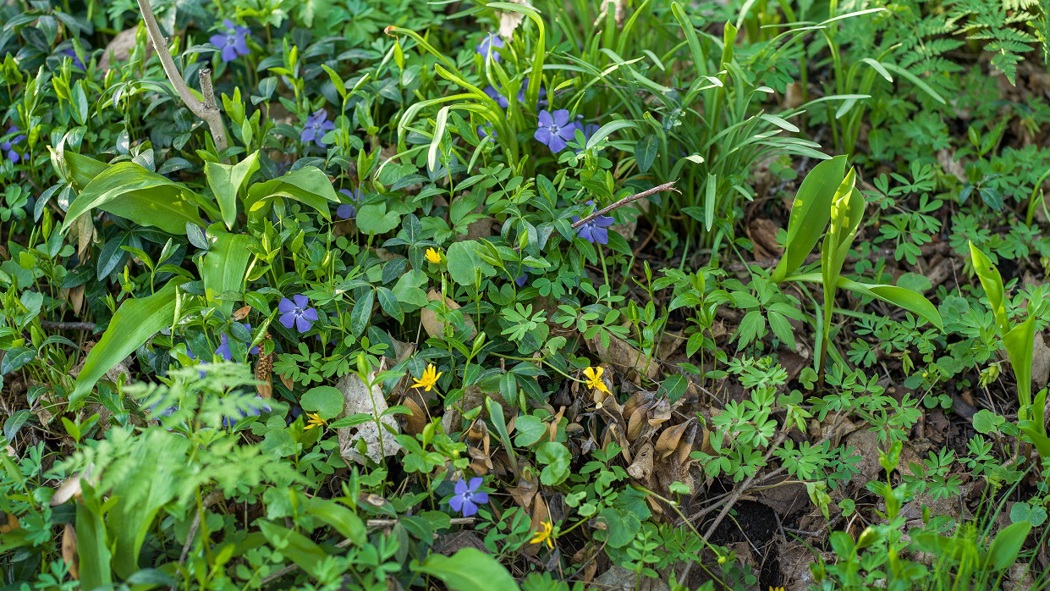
{"type": "Point", "coordinates": [232, 42]}
{"type": "Point", "coordinates": [595, 231]}
{"type": "Point", "coordinates": [542, 102]}
{"type": "Point", "coordinates": [224, 346]}
{"type": "Point", "coordinates": [467, 497]}
{"type": "Point", "coordinates": [316, 126]}
{"type": "Point", "coordinates": [555, 131]}
{"type": "Point", "coordinates": [77, 62]}
{"type": "Point", "coordinates": [488, 46]}
{"type": "Point", "coordinates": [347, 211]}
{"type": "Point", "coordinates": [297, 313]}
{"type": "Point", "coordinates": [522, 279]}
{"type": "Point", "coordinates": [496, 96]}
{"type": "Point", "coordinates": [8, 146]}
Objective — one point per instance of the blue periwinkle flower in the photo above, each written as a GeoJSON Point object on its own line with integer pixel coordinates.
{"type": "Point", "coordinates": [232, 42]}
{"type": "Point", "coordinates": [297, 313]}
{"type": "Point", "coordinates": [595, 231]}
{"type": "Point", "coordinates": [488, 46]}
{"type": "Point", "coordinates": [9, 145]}
{"type": "Point", "coordinates": [555, 131]}
{"type": "Point", "coordinates": [347, 211]}
{"type": "Point", "coordinates": [467, 497]}
{"type": "Point", "coordinates": [316, 126]}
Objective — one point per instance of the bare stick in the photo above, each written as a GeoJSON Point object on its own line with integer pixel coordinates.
{"type": "Point", "coordinates": [50, 325]}
{"type": "Point", "coordinates": [206, 111]}
{"type": "Point", "coordinates": [657, 189]}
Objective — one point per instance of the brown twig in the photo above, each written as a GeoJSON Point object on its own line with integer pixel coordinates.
{"type": "Point", "coordinates": [648, 192]}
{"type": "Point", "coordinates": [205, 110]}
{"type": "Point", "coordinates": [52, 325]}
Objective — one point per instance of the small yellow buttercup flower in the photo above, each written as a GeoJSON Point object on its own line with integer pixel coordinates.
{"type": "Point", "coordinates": [544, 535]}
{"type": "Point", "coordinates": [434, 255]}
{"type": "Point", "coordinates": [772, 588]}
{"type": "Point", "coordinates": [314, 420]}
{"type": "Point", "coordinates": [429, 379]}
{"type": "Point", "coordinates": [594, 379]}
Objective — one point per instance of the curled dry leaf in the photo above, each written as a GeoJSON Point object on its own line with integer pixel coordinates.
{"type": "Point", "coordinates": [360, 399]}
{"type": "Point", "coordinates": [69, 550]}
{"type": "Point", "coordinates": [642, 468]}
{"type": "Point", "coordinates": [70, 488]}
{"type": "Point", "coordinates": [669, 439]}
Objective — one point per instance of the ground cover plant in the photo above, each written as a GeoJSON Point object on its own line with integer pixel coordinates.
{"type": "Point", "coordinates": [380, 294]}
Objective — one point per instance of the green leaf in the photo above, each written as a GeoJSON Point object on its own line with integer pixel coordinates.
{"type": "Point", "coordinates": [905, 298]}
{"type": "Point", "coordinates": [388, 302]}
{"type": "Point", "coordinates": [300, 549]}
{"type": "Point", "coordinates": [308, 185]}
{"type": "Point", "coordinates": [92, 547]}
{"type": "Point", "coordinates": [710, 201]}
{"type": "Point", "coordinates": [134, 323]}
{"type": "Point", "coordinates": [465, 264]}
{"type": "Point", "coordinates": [469, 569]}
{"type": "Point", "coordinates": [557, 459]}
{"type": "Point", "coordinates": [130, 191]}
{"type": "Point", "coordinates": [1007, 545]}
{"type": "Point", "coordinates": [810, 213]}
{"type": "Point", "coordinates": [83, 169]}
{"type": "Point", "coordinates": [1019, 344]}
{"type": "Point", "coordinates": [225, 264]}
{"type": "Point", "coordinates": [645, 152]}
{"type": "Point", "coordinates": [528, 430]}
{"type": "Point", "coordinates": [361, 314]}
{"type": "Point", "coordinates": [324, 400]}
{"type": "Point", "coordinates": [992, 282]}
{"type": "Point", "coordinates": [227, 181]}
{"type": "Point", "coordinates": [375, 219]}
{"type": "Point", "coordinates": [606, 130]}
{"type": "Point", "coordinates": [342, 519]}
{"type": "Point", "coordinates": [986, 421]}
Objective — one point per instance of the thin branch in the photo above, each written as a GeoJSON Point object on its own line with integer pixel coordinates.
{"type": "Point", "coordinates": [648, 192]}
{"type": "Point", "coordinates": [206, 111]}
{"type": "Point", "coordinates": [51, 325]}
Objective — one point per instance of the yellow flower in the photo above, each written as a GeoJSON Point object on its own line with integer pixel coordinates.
{"type": "Point", "coordinates": [772, 588]}
{"type": "Point", "coordinates": [544, 535]}
{"type": "Point", "coordinates": [314, 420]}
{"type": "Point", "coordinates": [433, 255]}
{"type": "Point", "coordinates": [594, 379]}
{"type": "Point", "coordinates": [429, 379]}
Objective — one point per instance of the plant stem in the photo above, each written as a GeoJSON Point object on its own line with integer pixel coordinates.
{"type": "Point", "coordinates": [205, 110]}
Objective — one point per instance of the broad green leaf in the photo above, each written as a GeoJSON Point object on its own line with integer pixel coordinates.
{"type": "Point", "coordinates": [528, 430]}
{"type": "Point", "coordinates": [83, 169]}
{"type": "Point", "coordinates": [93, 549]}
{"type": "Point", "coordinates": [992, 282]}
{"type": "Point", "coordinates": [134, 323]}
{"type": "Point", "coordinates": [308, 185]}
{"type": "Point", "coordinates": [1003, 551]}
{"type": "Point", "coordinates": [324, 400]}
{"type": "Point", "coordinates": [810, 213]}
{"type": "Point", "coordinates": [227, 181]}
{"type": "Point", "coordinates": [300, 549]}
{"type": "Point", "coordinates": [556, 459]}
{"type": "Point", "coordinates": [469, 569]}
{"type": "Point", "coordinates": [375, 219]}
{"type": "Point", "coordinates": [1020, 344]}
{"type": "Point", "coordinates": [223, 267]}
{"type": "Point", "coordinates": [130, 191]}
{"type": "Point", "coordinates": [645, 152]}
{"type": "Point", "coordinates": [341, 518]}
{"type": "Point", "coordinates": [913, 302]}
{"type": "Point", "coordinates": [465, 264]}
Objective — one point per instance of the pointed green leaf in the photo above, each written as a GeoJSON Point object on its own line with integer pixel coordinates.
{"type": "Point", "coordinates": [134, 323]}
{"type": "Point", "coordinates": [992, 282]}
{"type": "Point", "coordinates": [227, 181]}
{"type": "Point", "coordinates": [300, 549]}
{"type": "Point", "coordinates": [1003, 551]}
{"type": "Point", "coordinates": [223, 268]}
{"type": "Point", "coordinates": [469, 569]}
{"type": "Point", "coordinates": [911, 301]}
{"type": "Point", "coordinates": [809, 214]}
{"type": "Point", "coordinates": [130, 191]}
{"type": "Point", "coordinates": [308, 185]}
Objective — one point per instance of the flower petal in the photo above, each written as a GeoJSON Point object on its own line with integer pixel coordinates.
{"type": "Point", "coordinates": [302, 324]}
{"type": "Point", "coordinates": [285, 306]}
{"type": "Point", "coordinates": [288, 320]}
{"type": "Point", "coordinates": [301, 301]}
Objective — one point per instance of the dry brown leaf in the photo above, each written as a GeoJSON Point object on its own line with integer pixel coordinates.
{"type": "Point", "coordinates": [416, 419]}
{"type": "Point", "coordinates": [1040, 363]}
{"type": "Point", "coordinates": [624, 357]}
{"type": "Point", "coordinates": [433, 326]}
{"type": "Point", "coordinates": [69, 550]}
{"type": "Point", "coordinates": [642, 468]}
{"type": "Point", "coordinates": [668, 441]}
{"type": "Point", "coordinates": [360, 399]}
